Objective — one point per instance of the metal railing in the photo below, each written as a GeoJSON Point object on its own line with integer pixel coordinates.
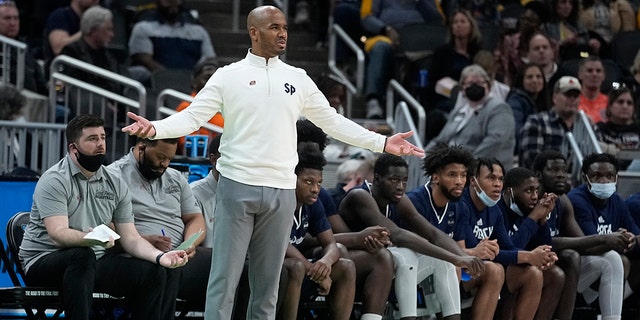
{"type": "Point", "coordinates": [394, 87]}
{"type": "Point", "coordinates": [579, 142]}
{"type": "Point", "coordinates": [83, 97]}
{"type": "Point", "coordinates": [404, 122]}
{"type": "Point", "coordinates": [9, 48]}
{"type": "Point", "coordinates": [170, 94]}
{"type": "Point", "coordinates": [32, 145]}
{"type": "Point", "coordinates": [335, 32]}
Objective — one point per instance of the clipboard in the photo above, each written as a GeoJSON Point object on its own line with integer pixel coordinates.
{"type": "Point", "coordinates": [189, 242]}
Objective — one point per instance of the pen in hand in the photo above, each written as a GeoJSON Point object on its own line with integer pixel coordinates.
{"type": "Point", "coordinates": [162, 230]}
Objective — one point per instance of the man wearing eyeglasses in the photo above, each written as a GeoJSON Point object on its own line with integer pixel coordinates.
{"type": "Point", "coordinates": [546, 129]}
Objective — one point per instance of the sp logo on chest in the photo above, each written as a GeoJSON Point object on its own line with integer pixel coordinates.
{"type": "Point", "coordinates": [289, 89]}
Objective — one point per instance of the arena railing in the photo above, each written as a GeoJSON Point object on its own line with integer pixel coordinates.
{"type": "Point", "coordinates": [9, 48]}
{"type": "Point", "coordinates": [33, 145]}
{"type": "Point", "coordinates": [174, 97]}
{"type": "Point", "coordinates": [404, 122]}
{"type": "Point", "coordinates": [580, 141]}
{"type": "Point", "coordinates": [395, 88]}
{"type": "Point", "coordinates": [335, 33]}
{"type": "Point", "coordinates": [82, 97]}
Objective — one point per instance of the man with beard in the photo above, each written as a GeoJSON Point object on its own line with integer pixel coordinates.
{"type": "Point", "coordinates": [168, 38]}
{"type": "Point", "coordinates": [437, 201]}
{"type": "Point", "coordinates": [72, 197]}
{"type": "Point", "coordinates": [419, 249]}
{"type": "Point", "coordinates": [166, 214]}
{"type": "Point", "coordinates": [583, 259]}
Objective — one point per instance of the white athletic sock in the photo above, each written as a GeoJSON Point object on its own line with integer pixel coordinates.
{"type": "Point", "coordinates": [371, 316]}
{"type": "Point", "coordinates": [627, 290]}
{"type": "Point", "coordinates": [589, 295]}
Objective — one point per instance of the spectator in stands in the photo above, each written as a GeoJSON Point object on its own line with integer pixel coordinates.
{"type": "Point", "coordinates": [382, 20]}
{"type": "Point", "coordinates": [450, 59]}
{"type": "Point", "coordinates": [509, 52]}
{"type": "Point", "coordinates": [346, 176]}
{"type": "Point", "coordinates": [346, 14]}
{"type": "Point", "coordinates": [168, 38]}
{"type": "Point", "coordinates": [584, 259]}
{"type": "Point", "coordinates": [63, 28]}
{"type": "Point", "coordinates": [259, 168]}
{"type": "Point", "coordinates": [335, 91]}
{"type": "Point", "coordinates": [9, 20]}
{"type": "Point", "coordinates": [166, 214]}
{"type": "Point", "coordinates": [537, 49]}
{"type": "Point", "coordinates": [205, 191]}
{"type": "Point", "coordinates": [605, 18]}
{"type": "Point", "coordinates": [484, 124]}
{"type": "Point", "coordinates": [529, 95]}
{"type": "Point", "coordinates": [546, 129]}
{"type": "Point", "coordinates": [592, 101]}
{"type": "Point", "coordinates": [486, 12]}
{"type": "Point", "coordinates": [419, 249]}
{"type": "Point", "coordinates": [621, 130]}
{"type": "Point", "coordinates": [96, 29]}
{"type": "Point", "coordinates": [571, 37]}
{"type": "Point", "coordinates": [600, 210]}
{"type": "Point", "coordinates": [55, 251]}
{"type": "Point", "coordinates": [484, 223]}
{"type": "Point", "coordinates": [201, 73]}
{"type": "Point", "coordinates": [312, 272]}
{"type": "Point", "coordinates": [11, 103]}
{"type": "Point", "coordinates": [350, 179]}
{"type": "Point", "coordinates": [487, 61]}
{"type": "Point", "coordinates": [10, 28]}
{"type": "Point", "coordinates": [437, 201]}
{"type": "Point", "coordinates": [526, 219]}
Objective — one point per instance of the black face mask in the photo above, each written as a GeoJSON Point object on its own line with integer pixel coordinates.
{"type": "Point", "coordinates": [90, 163]}
{"type": "Point", "coordinates": [474, 92]}
{"type": "Point", "coordinates": [146, 168]}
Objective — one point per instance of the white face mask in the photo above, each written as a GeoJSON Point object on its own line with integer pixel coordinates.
{"type": "Point", "coordinates": [484, 197]}
{"type": "Point", "coordinates": [602, 191]}
{"type": "Point", "coordinates": [514, 206]}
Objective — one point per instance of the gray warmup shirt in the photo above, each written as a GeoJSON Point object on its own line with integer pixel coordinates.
{"type": "Point", "coordinates": [158, 204]}
{"type": "Point", "coordinates": [64, 190]}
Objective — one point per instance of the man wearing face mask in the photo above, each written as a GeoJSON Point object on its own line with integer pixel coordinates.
{"type": "Point", "coordinates": [483, 221]}
{"type": "Point", "coordinates": [600, 210]}
{"type": "Point", "coordinates": [584, 259]}
{"type": "Point", "coordinates": [166, 214]}
{"type": "Point", "coordinates": [72, 197]}
{"type": "Point", "coordinates": [168, 38]}
{"type": "Point", "coordinates": [483, 124]}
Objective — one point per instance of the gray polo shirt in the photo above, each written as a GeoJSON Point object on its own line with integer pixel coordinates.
{"type": "Point", "coordinates": [64, 190]}
{"type": "Point", "coordinates": [205, 192]}
{"type": "Point", "coordinates": [158, 204]}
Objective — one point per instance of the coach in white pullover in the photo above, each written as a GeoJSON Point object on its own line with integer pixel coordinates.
{"type": "Point", "coordinates": [261, 98]}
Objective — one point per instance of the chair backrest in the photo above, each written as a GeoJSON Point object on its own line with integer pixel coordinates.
{"type": "Point", "coordinates": [15, 231]}
{"type": "Point", "coordinates": [625, 46]}
{"type": "Point", "coordinates": [418, 37]}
